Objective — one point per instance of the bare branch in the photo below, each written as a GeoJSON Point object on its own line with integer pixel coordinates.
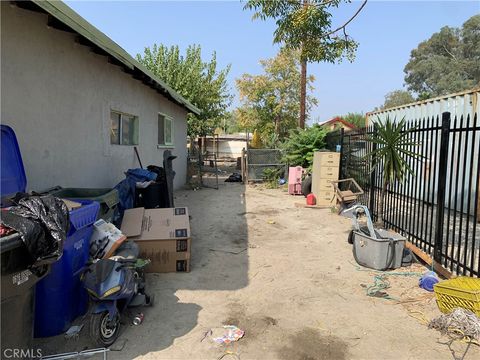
{"type": "Point", "coordinates": [449, 53]}
{"type": "Point", "coordinates": [349, 20]}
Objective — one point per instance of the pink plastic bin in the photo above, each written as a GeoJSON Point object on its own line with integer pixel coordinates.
{"type": "Point", "coordinates": [295, 180]}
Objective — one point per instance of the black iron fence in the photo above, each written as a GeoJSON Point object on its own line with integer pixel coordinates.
{"type": "Point", "coordinates": [437, 208]}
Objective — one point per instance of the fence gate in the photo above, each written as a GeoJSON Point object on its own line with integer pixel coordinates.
{"type": "Point", "coordinates": [437, 208]}
{"type": "Point", "coordinates": [260, 159]}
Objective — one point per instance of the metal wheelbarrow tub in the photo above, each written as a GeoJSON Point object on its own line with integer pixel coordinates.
{"type": "Point", "coordinates": [385, 251]}
{"type": "Point", "coordinates": [374, 248]}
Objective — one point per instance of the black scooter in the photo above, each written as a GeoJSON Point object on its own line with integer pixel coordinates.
{"type": "Point", "coordinates": [113, 285]}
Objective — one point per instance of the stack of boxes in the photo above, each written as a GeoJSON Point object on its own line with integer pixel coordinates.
{"type": "Point", "coordinates": [325, 169]}
{"type": "Point", "coordinates": [163, 236]}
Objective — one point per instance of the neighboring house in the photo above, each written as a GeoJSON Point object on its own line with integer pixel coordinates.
{"type": "Point", "coordinates": [337, 124]}
{"type": "Point", "coordinates": [79, 103]}
{"type": "Point", "coordinates": [227, 146]}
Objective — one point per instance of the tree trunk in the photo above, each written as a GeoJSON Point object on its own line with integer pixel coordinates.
{"type": "Point", "coordinates": [277, 125]}
{"type": "Point", "coordinates": [380, 221]}
{"type": "Point", "coordinates": [303, 84]}
{"type": "Point", "coordinates": [303, 95]}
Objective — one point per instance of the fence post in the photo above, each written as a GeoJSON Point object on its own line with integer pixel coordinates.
{"type": "Point", "coordinates": [340, 165]}
{"type": "Point", "coordinates": [242, 166]}
{"type": "Point", "coordinates": [373, 174]}
{"type": "Point", "coordinates": [442, 180]}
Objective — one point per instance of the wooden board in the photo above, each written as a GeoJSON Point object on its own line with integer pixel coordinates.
{"type": "Point", "coordinates": [425, 257]}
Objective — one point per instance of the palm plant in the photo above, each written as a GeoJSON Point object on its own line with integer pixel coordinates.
{"type": "Point", "coordinates": [392, 151]}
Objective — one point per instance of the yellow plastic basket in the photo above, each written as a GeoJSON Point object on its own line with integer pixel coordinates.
{"type": "Point", "coordinates": [461, 292]}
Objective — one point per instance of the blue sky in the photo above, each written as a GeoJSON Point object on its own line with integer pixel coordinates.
{"type": "Point", "coordinates": [386, 31]}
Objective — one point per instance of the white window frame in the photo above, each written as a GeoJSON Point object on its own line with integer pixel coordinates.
{"type": "Point", "coordinates": [120, 127]}
{"type": "Point", "coordinates": [167, 119]}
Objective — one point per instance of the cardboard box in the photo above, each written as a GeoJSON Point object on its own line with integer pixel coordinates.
{"type": "Point", "coordinates": [163, 236]}
{"type": "Point", "coordinates": [103, 231]}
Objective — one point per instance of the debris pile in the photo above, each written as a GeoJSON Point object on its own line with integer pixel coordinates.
{"type": "Point", "coordinates": [460, 323]}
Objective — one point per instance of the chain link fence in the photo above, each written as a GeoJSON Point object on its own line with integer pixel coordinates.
{"type": "Point", "coordinates": [260, 159]}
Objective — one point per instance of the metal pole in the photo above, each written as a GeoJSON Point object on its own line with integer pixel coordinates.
{"type": "Point", "coordinates": [340, 165]}
{"type": "Point", "coordinates": [373, 175]}
{"type": "Point", "coordinates": [242, 166]}
{"type": "Point", "coordinates": [442, 180]}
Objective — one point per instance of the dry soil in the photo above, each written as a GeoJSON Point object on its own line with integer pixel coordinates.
{"type": "Point", "coordinates": [287, 277]}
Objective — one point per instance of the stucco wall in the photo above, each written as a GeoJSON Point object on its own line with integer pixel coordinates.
{"type": "Point", "coordinates": [57, 96]}
{"type": "Point", "coordinates": [226, 148]}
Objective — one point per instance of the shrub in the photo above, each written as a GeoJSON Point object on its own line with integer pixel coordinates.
{"type": "Point", "coordinates": [271, 177]}
{"type": "Point", "coordinates": [301, 144]}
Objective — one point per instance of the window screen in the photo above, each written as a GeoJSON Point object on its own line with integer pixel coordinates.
{"type": "Point", "coordinates": [165, 130]}
{"type": "Point", "coordinates": [124, 129]}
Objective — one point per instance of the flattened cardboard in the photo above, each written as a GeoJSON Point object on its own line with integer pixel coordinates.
{"type": "Point", "coordinates": [132, 222]}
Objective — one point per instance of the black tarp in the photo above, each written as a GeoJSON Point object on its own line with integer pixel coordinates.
{"type": "Point", "coordinates": [43, 223]}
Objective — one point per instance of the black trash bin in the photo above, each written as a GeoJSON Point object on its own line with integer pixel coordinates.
{"type": "Point", "coordinates": [156, 194]}
{"type": "Point", "coordinates": [18, 291]}
{"type": "Point", "coordinates": [17, 281]}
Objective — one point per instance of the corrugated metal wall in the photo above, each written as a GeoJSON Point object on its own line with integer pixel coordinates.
{"type": "Point", "coordinates": [462, 107]}
{"type": "Point", "coordinates": [463, 103]}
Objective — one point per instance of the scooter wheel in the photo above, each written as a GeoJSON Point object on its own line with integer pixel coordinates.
{"type": "Point", "coordinates": [350, 237]}
{"type": "Point", "coordinates": [103, 331]}
{"type": "Point", "coordinates": [150, 300]}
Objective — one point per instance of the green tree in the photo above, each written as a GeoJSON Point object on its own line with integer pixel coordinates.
{"type": "Point", "coordinates": [201, 83]}
{"type": "Point", "coordinates": [391, 153]}
{"type": "Point", "coordinates": [448, 62]}
{"type": "Point", "coordinates": [306, 26]}
{"type": "Point", "coordinates": [397, 98]}
{"type": "Point", "coordinates": [270, 102]}
{"type": "Point", "coordinates": [230, 123]}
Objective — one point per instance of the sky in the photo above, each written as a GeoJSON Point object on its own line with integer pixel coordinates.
{"type": "Point", "coordinates": [386, 31]}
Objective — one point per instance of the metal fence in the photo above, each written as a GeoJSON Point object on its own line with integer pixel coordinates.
{"type": "Point", "coordinates": [437, 208]}
{"type": "Point", "coordinates": [260, 159]}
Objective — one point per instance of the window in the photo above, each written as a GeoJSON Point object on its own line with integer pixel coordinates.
{"type": "Point", "coordinates": [124, 129]}
{"type": "Point", "coordinates": [165, 130]}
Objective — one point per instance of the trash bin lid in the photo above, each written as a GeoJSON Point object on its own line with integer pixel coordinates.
{"type": "Point", "coordinates": [12, 172]}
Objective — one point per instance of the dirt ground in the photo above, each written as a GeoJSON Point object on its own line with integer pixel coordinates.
{"type": "Point", "coordinates": [287, 277]}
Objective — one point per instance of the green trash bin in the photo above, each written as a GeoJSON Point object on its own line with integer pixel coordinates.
{"type": "Point", "coordinates": [108, 199]}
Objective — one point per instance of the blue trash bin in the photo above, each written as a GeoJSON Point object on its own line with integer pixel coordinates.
{"type": "Point", "coordinates": [60, 296]}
